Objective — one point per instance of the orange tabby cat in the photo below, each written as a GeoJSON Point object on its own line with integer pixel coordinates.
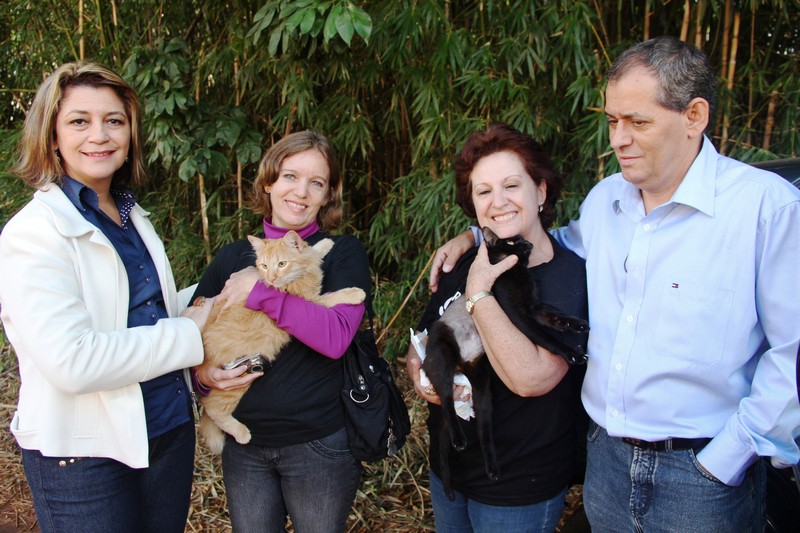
{"type": "Point", "coordinates": [290, 265]}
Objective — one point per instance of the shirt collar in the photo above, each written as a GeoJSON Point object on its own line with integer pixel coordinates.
{"type": "Point", "coordinates": [83, 198]}
{"type": "Point", "coordinates": [275, 232]}
{"type": "Point", "coordinates": [697, 189]}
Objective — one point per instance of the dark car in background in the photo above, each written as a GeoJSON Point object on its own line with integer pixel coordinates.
{"type": "Point", "coordinates": [783, 485]}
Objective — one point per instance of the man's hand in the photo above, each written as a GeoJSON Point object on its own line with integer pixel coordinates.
{"type": "Point", "coordinates": [448, 254]}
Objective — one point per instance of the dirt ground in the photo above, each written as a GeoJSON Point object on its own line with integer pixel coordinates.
{"type": "Point", "coordinates": [393, 496]}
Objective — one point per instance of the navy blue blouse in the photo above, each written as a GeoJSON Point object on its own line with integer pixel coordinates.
{"type": "Point", "coordinates": [166, 398]}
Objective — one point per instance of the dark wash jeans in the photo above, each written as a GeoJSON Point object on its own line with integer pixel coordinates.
{"type": "Point", "coordinates": [632, 489]}
{"type": "Point", "coordinates": [101, 495]}
{"type": "Point", "coordinates": [314, 483]}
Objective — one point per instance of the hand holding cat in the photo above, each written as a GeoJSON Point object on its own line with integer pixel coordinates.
{"type": "Point", "coordinates": [483, 274]}
{"type": "Point", "coordinates": [199, 313]}
{"type": "Point", "coordinates": [447, 255]}
{"type": "Point", "coordinates": [413, 365]}
{"type": "Point", "coordinates": [239, 286]}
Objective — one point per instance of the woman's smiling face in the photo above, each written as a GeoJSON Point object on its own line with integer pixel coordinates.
{"type": "Point", "coordinates": [505, 197]}
{"type": "Point", "coordinates": [301, 189]}
{"type": "Point", "coordinates": [93, 134]}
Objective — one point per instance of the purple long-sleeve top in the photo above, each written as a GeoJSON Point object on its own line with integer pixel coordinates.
{"type": "Point", "coordinates": [333, 328]}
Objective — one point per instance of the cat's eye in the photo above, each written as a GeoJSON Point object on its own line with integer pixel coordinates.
{"type": "Point", "coordinates": [281, 264]}
{"type": "Point", "coordinates": [263, 266]}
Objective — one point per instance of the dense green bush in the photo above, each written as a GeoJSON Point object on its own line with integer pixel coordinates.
{"type": "Point", "coordinates": [398, 85]}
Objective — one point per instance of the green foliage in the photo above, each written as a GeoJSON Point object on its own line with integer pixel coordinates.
{"type": "Point", "coordinates": [398, 85]}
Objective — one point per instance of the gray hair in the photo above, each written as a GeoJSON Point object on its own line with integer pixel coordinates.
{"type": "Point", "coordinates": [683, 71]}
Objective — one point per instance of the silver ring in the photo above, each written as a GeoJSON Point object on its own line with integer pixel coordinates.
{"type": "Point", "coordinates": [430, 391]}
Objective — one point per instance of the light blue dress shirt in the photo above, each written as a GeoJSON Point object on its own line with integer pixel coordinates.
{"type": "Point", "coordinates": [695, 312]}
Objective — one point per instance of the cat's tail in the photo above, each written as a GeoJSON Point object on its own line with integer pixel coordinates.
{"type": "Point", "coordinates": [213, 436]}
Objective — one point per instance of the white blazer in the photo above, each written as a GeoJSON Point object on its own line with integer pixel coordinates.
{"type": "Point", "coordinates": [64, 304]}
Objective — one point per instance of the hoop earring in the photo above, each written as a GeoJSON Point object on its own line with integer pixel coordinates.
{"type": "Point", "coordinates": [58, 155]}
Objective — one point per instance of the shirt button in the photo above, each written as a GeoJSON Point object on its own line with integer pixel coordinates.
{"type": "Point", "coordinates": [618, 366]}
{"type": "Point", "coordinates": [147, 279]}
{"type": "Point", "coordinates": [149, 302]}
{"type": "Point", "coordinates": [153, 316]}
{"type": "Point", "coordinates": [630, 318]}
{"type": "Point", "coordinates": [647, 227]}
{"type": "Point", "coordinates": [141, 267]}
{"type": "Point", "coordinates": [615, 413]}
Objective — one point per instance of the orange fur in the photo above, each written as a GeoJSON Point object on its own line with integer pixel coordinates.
{"type": "Point", "coordinates": [290, 265]}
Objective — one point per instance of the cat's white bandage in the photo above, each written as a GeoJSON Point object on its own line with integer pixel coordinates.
{"type": "Point", "coordinates": [463, 404]}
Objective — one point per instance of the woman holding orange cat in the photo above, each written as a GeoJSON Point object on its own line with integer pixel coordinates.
{"type": "Point", "coordinates": [297, 462]}
{"type": "Point", "coordinates": [89, 303]}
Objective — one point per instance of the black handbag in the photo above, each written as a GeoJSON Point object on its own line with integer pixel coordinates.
{"type": "Point", "coordinates": [375, 415]}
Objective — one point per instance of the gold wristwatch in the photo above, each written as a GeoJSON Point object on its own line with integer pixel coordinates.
{"type": "Point", "coordinates": [471, 301]}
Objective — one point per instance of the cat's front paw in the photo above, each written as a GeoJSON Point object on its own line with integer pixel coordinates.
{"type": "Point", "coordinates": [243, 436]}
{"type": "Point", "coordinates": [459, 442]}
{"type": "Point", "coordinates": [352, 295]}
{"type": "Point", "coordinates": [574, 357]}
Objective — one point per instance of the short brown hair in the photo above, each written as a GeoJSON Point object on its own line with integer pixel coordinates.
{"type": "Point", "coordinates": [330, 214]}
{"type": "Point", "coordinates": [38, 164]}
{"type": "Point", "coordinates": [504, 138]}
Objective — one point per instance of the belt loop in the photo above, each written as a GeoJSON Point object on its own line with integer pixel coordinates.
{"type": "Point", "coordinates": [668, 445]}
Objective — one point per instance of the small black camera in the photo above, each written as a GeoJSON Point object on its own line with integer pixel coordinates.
{"type": "Point", "coordinates": [253, 363]}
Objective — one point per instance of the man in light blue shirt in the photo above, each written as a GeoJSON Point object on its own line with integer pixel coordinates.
{"type": "Point", "coordinates": [694, 302]}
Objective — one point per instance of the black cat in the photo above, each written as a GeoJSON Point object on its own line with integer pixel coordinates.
{"type": "Point", "coordinates": [454, 346]}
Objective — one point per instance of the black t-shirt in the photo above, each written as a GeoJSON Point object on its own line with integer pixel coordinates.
{"type": "Point", "coordinates": [536, 439]}
{"type": "Point", "coordinates": [297, 400]}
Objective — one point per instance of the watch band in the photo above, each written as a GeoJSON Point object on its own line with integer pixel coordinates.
{"type": "Point", "coordinates": [470, 304]}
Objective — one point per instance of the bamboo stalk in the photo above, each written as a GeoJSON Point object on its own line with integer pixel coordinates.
{"type": "Point", "coordinates": [114, 24]}
{"type": "Point", "coordinates": [239, 191]}
{"type": "Point", "coordinates": [726, 35]}
{"type": "Point", "coordinates": [687, 15]}
{"type": "Point", "coordinates": [731, 75]}
{"type": "Point", "coordinates": [102, 36]}
{"type": "Point", "coordinates": [80, 29]}
{"type": "Point", "coordinates": [769, 124]}
{"type": "Point", "coordinates": [698, 23]}
{"type": "Point", "coordinates": [204, 216]}
{"type": "Point", "coordinates": [750, 87]}
{"type": "Point", "coordinates": [407, 298]}
{"type": "Point", "coordinates": [647, 14]}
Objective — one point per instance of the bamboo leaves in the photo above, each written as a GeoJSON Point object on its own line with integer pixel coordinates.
{"type": "Point", "coordinates": [301, 18]}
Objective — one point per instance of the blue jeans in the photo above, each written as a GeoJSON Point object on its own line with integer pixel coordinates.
{"type": "Point", "coordinates": [632, 489]}
{"type": "Point", "coordinates": [104, 495]}
{"type": "Point", "coordinates": [314, 483]}
{"type": "Point", "coordinates": [464, 515]}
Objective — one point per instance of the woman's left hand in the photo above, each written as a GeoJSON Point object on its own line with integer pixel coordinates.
{"type": "Point", "coordinates": [239, 286]}
{"type": "Point", "coordinates": [482, 274]}
{"type": "Point", "coordinates": [219, 378]}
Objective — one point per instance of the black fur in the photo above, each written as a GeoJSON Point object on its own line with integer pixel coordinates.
{"type": "Point", "coordinates": [454, 347]}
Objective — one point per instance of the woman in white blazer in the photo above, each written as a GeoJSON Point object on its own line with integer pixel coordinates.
{"type": "Point", "coordinates": [89, 303]}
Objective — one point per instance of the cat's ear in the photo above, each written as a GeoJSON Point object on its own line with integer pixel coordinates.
{"type": "Point", "coordinates": [489, 236]}
{"type": "Point", "coordinates": [257, 243]}
{"type": "Point", "coordinates": [293, 240]}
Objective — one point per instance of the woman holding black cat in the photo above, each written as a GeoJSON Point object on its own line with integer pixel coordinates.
{"type": "Point", "coordinates": [505, 179]}
{"type": "Point", "coordinates": [298, 461]}
{"type": "Point", "coordinates": [89, 303]}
